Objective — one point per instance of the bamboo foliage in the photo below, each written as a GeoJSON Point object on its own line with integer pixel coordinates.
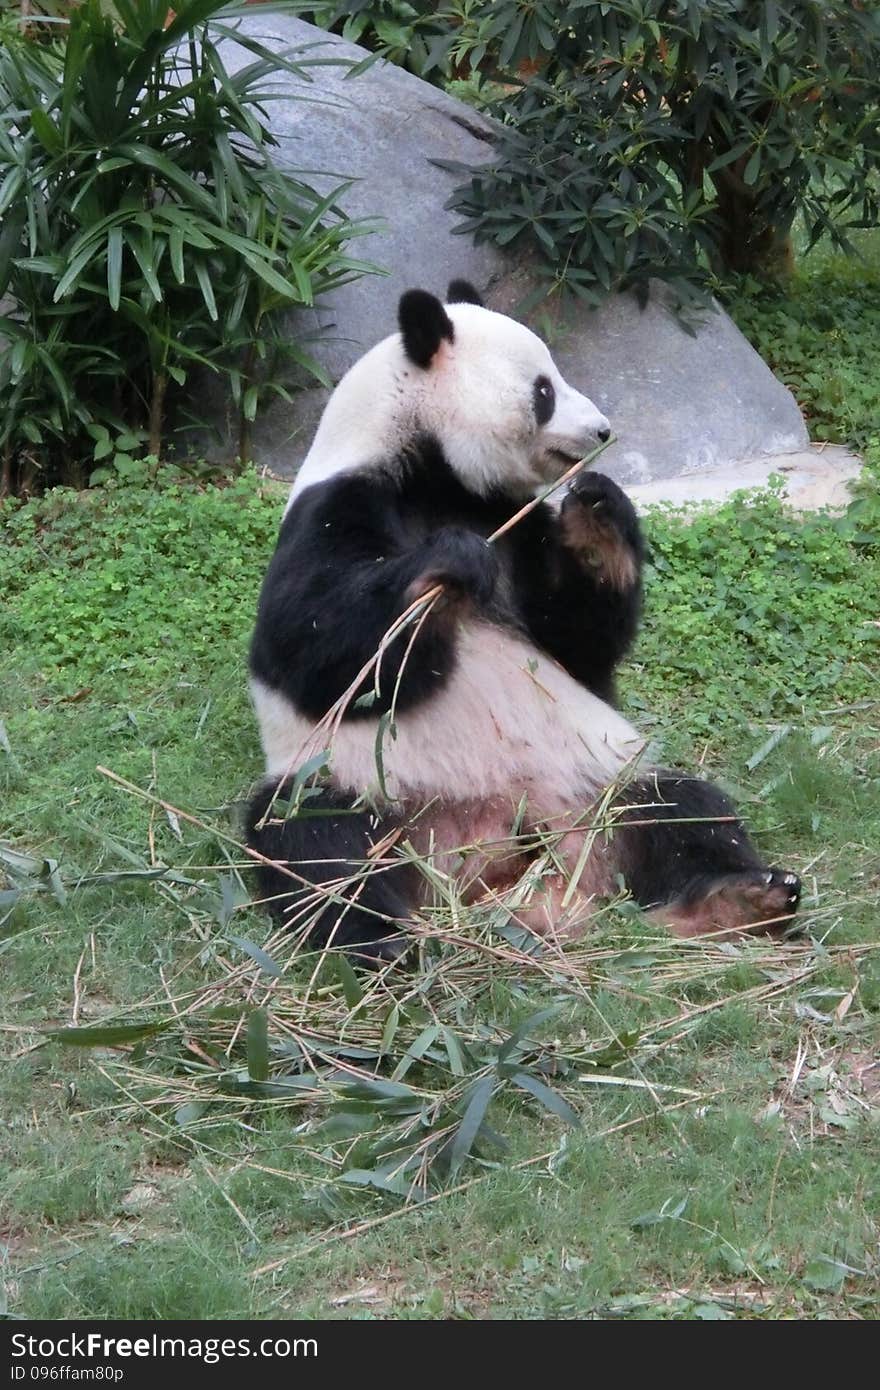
{"type": "Point", "coordinates": [146, 229]}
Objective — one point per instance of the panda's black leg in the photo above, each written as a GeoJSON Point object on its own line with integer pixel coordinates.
{"type": "Point", "coordinates": [686, 856]}
{"type": "Point", "coordinates": [326, 876]}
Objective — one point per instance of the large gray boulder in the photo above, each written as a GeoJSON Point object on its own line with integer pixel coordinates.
{"type": "Point", "coordinates": [678, 403]}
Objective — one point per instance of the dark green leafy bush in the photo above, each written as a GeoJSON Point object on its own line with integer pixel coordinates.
{"type": "Point", "coordinates": [392, 25]}
{"type": "Point", "coordinates": [145, 229]}
{"type": "Point", "coordinates": [665, 138]}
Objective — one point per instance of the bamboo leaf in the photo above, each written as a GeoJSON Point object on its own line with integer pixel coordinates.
{"type": "Point", "coordinates": [258, 1045]}
{"type": "Point", "coordinates": [389, 1029]}
{"type": "Point", "coordinates": [264, 961]}
{"type": "Point", "coordinates": [107, 1035]}
{"type": "Point", "coordinates": [348, 979]}
{"type": "Point", "coordinates": [471, 1122]}
{"type": "Point", "coordinates": [417, 1049]}
{"type": "Point", "coordinates": [518, 1036]}
{"type": "Point", "coordinates": [374, 1177]}
{"type": "Point", "coordinates": [454, 1051]}
{"type": "Point", "coordinates": [768, 746]}
{"type": "Point", "coordinates": [549, 1098]}
{"type": "Point", "coordinates": [190, 1112]}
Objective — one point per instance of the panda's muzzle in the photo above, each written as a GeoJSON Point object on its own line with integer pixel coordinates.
{"type": "Point", "coordinates": [577, 425]}
{"type": "Point", "coordinates": [567, 458]}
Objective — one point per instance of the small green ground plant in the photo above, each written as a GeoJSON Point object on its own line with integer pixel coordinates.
{"type": "Point", "coordinates": [821, 335]}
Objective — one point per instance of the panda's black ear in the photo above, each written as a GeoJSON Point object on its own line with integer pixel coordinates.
{"type": "Point", "coordinates": [463, 292]}
{"type": "Point", "coordinates": [424, 324]}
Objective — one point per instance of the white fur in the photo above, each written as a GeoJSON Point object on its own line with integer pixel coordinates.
{"type": "Point", "coordinates": [475, 396]}
{"type": "Point", "coordinates": [509, 721]}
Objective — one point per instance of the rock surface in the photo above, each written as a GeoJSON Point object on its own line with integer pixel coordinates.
{"type": "Point", "coordinates": [677, 403]}
{"type": "Point", "coordinates": [815, 478]}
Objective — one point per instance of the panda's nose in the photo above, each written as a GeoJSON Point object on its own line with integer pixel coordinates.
{"type": "Point", "coordinates": [604, 434]}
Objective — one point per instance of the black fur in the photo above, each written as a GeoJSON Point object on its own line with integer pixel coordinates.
{"type": "Point", "coordinates": [586, 624]}
{"type": "Point", "coordinates": [424, 324]}
{"type": "Point", "coordinates": [681, 834]}
{"type": "Point", "coordinates": [351, 556]}
{"type": "Point", "coordinates": [543, 400]}
{"type": "Point", "coordinates": [679, 840]}
{"type": "Point", "coordinates": [354, 551]}
{"type": "Point", "coordinates": [364, 915]}
{"type": "Point", "coordinates": [463, 292]}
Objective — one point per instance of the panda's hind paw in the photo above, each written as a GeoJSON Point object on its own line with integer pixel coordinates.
{"type": "Point", "coordinates": [757, 903]}
{"type": "Point", "coordinates": [772, 899]}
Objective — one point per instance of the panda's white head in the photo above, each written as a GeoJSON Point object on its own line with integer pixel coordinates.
{"type": "Point", "coordinates": [480, 383]}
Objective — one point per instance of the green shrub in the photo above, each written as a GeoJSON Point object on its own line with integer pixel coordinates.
{"type": "Point", "coordinates": [759, 611]}
{"type": "Point", "coordinates": [146, 230]}
{"type": "Point", "coordinates": [668, 138]}
{"type": "Point", "coordinates": [147, 581]}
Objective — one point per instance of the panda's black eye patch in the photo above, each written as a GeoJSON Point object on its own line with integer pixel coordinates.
{"type": "Point", "coordinates": [544, 399]}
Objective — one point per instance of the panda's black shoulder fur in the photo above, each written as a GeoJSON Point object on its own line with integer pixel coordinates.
{"type": "Point", "coordinates": [354, 550]}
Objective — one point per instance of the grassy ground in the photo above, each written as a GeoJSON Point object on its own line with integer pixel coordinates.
{"type": "Point", "coordinates": [282, 1137]}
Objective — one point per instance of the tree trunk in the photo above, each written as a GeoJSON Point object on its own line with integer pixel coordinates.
{"type": "Point", "coordinates": [244, 424]}
{"type": "Point", "coordinates": [748, 244]}
{"type": "Point", "coordinates": [157, 412]}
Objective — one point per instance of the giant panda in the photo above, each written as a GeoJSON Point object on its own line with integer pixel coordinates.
{"type": "Point", "coordinates": [505, 760]}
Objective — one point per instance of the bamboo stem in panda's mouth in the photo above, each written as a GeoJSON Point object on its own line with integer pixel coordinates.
{"type": "Point", "coordinates": [417, 612]}
{"type": "Point", "coordinates": [550, 488]}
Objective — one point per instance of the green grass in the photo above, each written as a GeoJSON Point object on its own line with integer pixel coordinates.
{"type": "Point", "coordinates": [169, 1178]}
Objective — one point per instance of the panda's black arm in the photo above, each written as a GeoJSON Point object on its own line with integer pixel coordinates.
{"type": "Point", "coordinates": [344, 569]}
{"type": "Point", "coordinates": [578, 577]}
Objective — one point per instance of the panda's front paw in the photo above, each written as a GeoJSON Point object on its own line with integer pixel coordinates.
{"type": "Point", "coordinates": [600, 524]}
{"type": "Point", "coordinates": [460, 560]}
